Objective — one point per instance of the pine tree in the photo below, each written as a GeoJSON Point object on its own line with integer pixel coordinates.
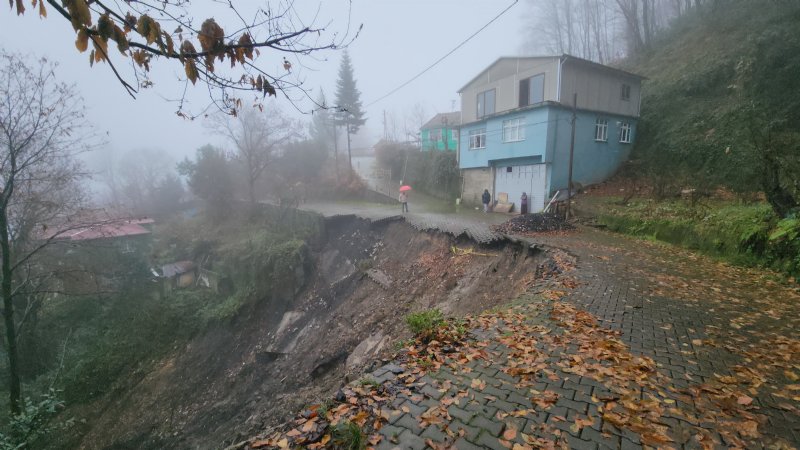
{"type": "Point", "coordinates": [321, 127]}
{"type": "Point", "coordinates": [348, 99]}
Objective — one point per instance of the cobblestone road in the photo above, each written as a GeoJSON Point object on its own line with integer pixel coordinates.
{"type": "Point", "coordinates": [699, 320]}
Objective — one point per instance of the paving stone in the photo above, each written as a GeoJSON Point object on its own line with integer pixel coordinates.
{"type": "Point", "coordinates": [580, 444]}
{"type": "Point", "coordinates": [563, 425]}
{"type": "Point", "coordinates": [463, 444]}
{"type": "Point", "coordinates": [470, 433]}
{"type": "Point", "coordinates": [627, 444]}
{"type": "Point", "coordinates": [434, 433]}
{"type": "Point", "coordinates": [506, 377]}
{"type": "Point", "coordinates": [503, 405]}
{"type": "Point", "coordinates": [484, 410]}
{"type": "Point", "coordinates": [390, 431]}
{"type": "Point", "coordinates": [393, 368]}
{"type": "Point", "coordinates": [487, 441]}
{"type": "Point", "coordinates": [386, 445]}
{"type": "Point", "coordinates": [491, 426]}
{"type": "Point", "coordinates": [590, 434]}
{"type": "Point", "coordinates": [558, 411]}
{"type": "Point", "coordinates": [495, 392]}
{"type": "Point", "coordinates": [414, 409]}
{"type": "Point", "coordinates": [409, 423]}
{"type": "Point", "coordinates": [411, 441]}
{"type": "Point", "coordinates": [395, 415]}
{"type": "Point", "coordinates": [459, 413]}
{"type": "Point", "coordinates": [431, 392]}
{"type": "Point", "coordinates": [521, 400]}
{"type": "Point", "coordinates": [579, 407]}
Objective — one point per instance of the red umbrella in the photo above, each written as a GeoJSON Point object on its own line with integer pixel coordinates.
{"type": "Point", "coordinates": [405, 188]}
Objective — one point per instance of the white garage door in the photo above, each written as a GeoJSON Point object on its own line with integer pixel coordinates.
{"type": "Point", "coordinates": [514, 180]}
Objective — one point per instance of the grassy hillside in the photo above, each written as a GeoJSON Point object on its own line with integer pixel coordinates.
{"type": "Point", "coordinates": [722, 101]}
{"type": "Point", "coordinates": [720, 109]}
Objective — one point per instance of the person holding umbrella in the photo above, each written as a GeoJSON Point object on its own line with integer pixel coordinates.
{"type": "Point", "coordinates": [404, 198]}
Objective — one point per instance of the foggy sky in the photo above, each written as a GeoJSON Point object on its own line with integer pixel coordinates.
{"type": "Point", "coordinates": [399, 39]}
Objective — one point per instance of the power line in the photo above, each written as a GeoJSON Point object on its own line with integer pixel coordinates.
{"type": "Point", "coordinates": [443, 57]}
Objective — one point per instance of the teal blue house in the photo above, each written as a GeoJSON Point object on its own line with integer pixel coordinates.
{"type": "Point", "coordinates": [517, 126]}
{"type": "Point", "coordinates": [441, 132]}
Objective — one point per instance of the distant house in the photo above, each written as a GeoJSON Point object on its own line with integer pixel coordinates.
{"type": "Point", "coordinates": [516, 125]}
{"type": "Point", "coordinates": [93, 251]}
{"type": "Point", "coordinates": [441, 132]}
{"type": "Point", "coordinates": [127, 235]}
{"type": "Point", "coordinates": [178, 275]}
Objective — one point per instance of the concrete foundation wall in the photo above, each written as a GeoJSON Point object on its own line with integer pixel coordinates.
{"type": "Point", "coordinates": [475, 181]}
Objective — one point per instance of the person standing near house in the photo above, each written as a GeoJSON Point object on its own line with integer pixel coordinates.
{"type": "Point", "coordinates": [523, 204]}
{"type": "Point", "coordinates": [403, 202]}
{"type": "Point", "coordinates": [487, 198]}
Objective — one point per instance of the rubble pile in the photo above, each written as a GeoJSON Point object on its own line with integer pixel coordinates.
{"type": "Point", "coordinates": [540, 222]}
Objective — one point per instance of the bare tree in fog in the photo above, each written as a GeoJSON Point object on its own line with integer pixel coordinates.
{"type": "Point", "coordinates": [41, 132]}
{"type": "Point", "coordinates": [603, 30]}
{"type": "Point", "coordinates": [257, 137]}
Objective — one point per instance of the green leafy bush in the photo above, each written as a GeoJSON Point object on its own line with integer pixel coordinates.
{"type": "Point", "coordinates": [424, 323]}
{"type": "Point", "coordinates": [33, 422]}
{"type": "Point", "coordinates": [349, 436]}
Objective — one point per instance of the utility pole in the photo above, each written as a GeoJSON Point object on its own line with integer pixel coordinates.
{"type": "Point", "coordinates": [385, 136]}
{"type": "Point", "coordinates": [349, 155]}
{"type": "Point", "coordinates": [571, 153]}
{"type": "Point", "coordinates": [444, 134]}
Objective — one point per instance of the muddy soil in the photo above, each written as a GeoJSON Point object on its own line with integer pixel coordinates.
{"type": "Point", "coordinates": [292, 350]}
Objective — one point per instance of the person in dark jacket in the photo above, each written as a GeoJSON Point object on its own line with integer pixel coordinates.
{"type": "Point", "coordinates": [487, 198]}
{"type": "Point", "coordinates": [523, 204]}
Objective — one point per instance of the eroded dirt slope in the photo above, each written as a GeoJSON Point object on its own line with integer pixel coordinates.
{"type": "Point", "coordinates": [288, 350]}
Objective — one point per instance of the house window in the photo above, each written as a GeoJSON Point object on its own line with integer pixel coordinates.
{"type": "Point", "coordinates": [514, 130]}
{"type": "Point", "coordinates": [486, 103]}
{"type": "Point", "coordinates": [531, 90]}
{"type": "Point", "coordinates": [625, 133]}
{"type": "Point", "coordinates": [509, 169]}
{"type": "Point", "coordinates": [601, 130]}
{"type": "Point", "coordinates": [477, 139]}
{"type": "Point", "coordinates": [454, 135]}
{"type": "Point", "coordinates": [435, 135]}
{"type": "Point", "coordinates": [626, 92]}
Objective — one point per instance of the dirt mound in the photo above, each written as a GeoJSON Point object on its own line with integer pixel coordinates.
{"type": "Point", "coordinates": [539, 222]}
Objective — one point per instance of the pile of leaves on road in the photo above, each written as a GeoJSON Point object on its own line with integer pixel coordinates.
{"type": "Point", "coordinates": [533, 223]}
{"type": "Point", "coordinates": [545, 340]}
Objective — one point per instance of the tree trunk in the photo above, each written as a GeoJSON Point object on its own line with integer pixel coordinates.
{"type": "Point", "coordinates": [781, 200]}
{"type": "Point", "coordinates": [349, 155]}
{"type": "Point", "coordinates": [336, 150]}
{"type": "Point", "coordinates": [568, 10]}
{"type": "Point", "coordinates": [251, 190]}
{"type": "Point", "coordinates": [646, 25]}
{"type": "Point", "coordinates": [14, 389]}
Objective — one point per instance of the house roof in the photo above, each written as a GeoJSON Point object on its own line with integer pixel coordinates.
{"type": "Point", "coordinates": [565, 57]}
{"type": "Point", "coordinates": [95, 224]}
{"type": "Point", "coordinates": [176, 268]}
{"type": "Point", "coordinates": [107, 230]}
{"type": "Point", "coordinates": [451, 118]}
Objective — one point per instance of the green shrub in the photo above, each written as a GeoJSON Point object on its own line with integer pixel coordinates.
{"type": "Point", "coordinates": [348, 436]}
{"type": "Point", "coordinates": [424, 323]}
{"type": "Point", "coordinates": [34, 422]}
